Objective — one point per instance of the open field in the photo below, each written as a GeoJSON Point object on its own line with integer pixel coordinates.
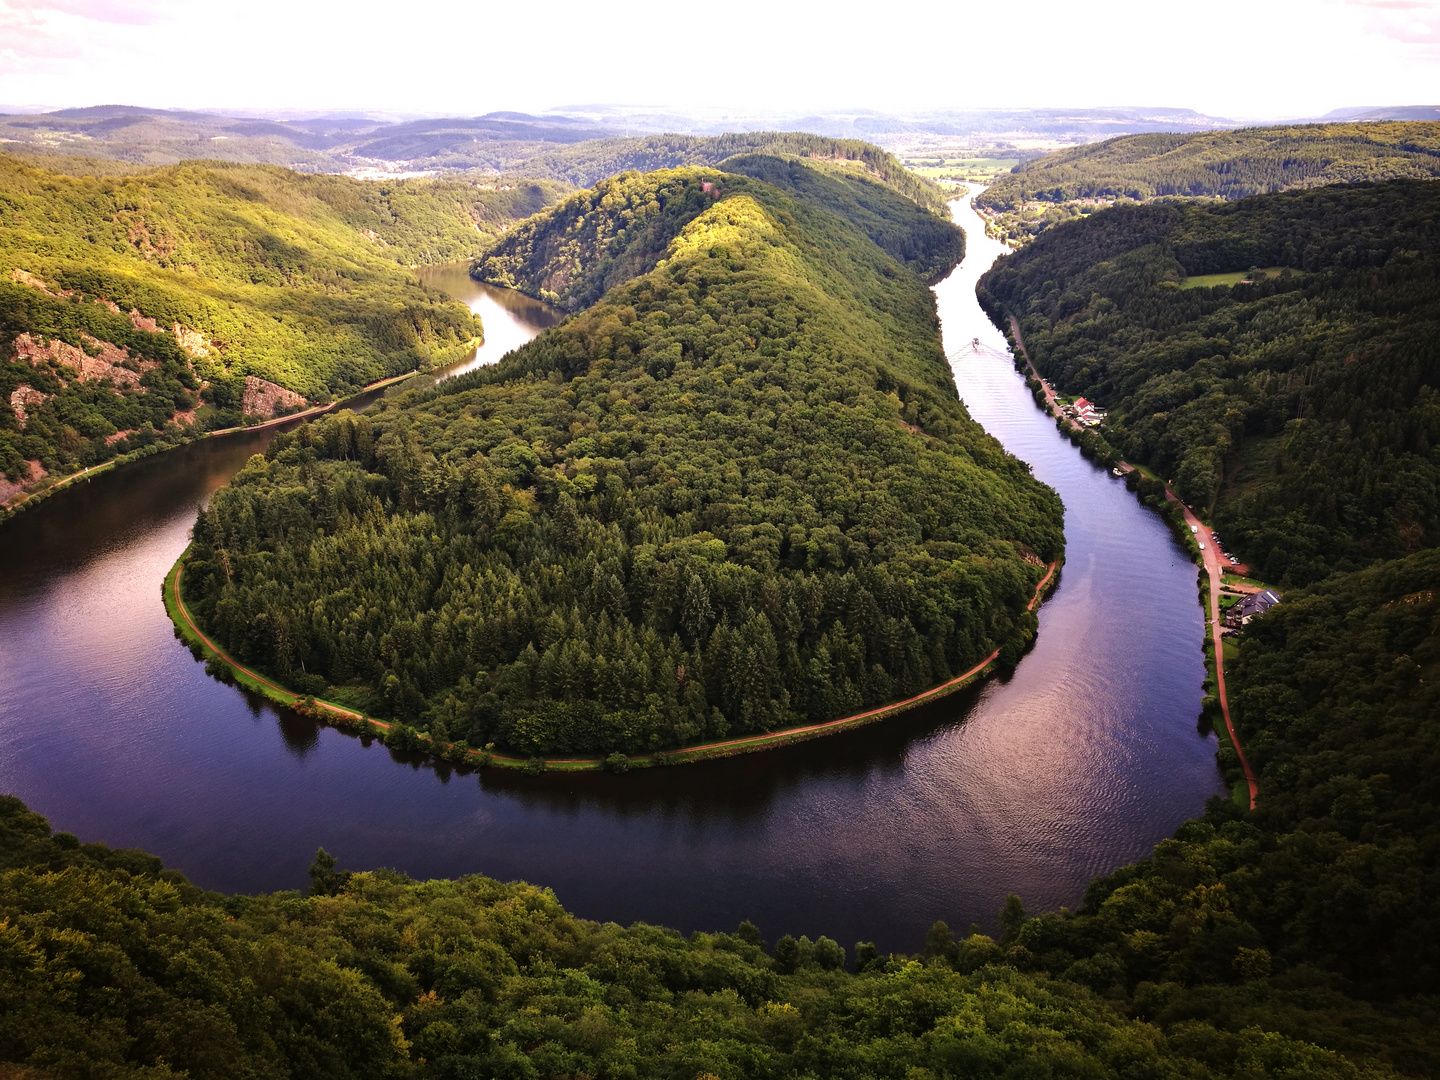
{"type": "Point", "coordinates": [1206, 281]}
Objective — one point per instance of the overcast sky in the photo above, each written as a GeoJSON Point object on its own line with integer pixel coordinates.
{"type": "Point", "coordinates": [1256, 58]}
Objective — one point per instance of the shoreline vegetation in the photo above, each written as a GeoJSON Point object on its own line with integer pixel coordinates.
{"type": "Point", "coordinates": [137, 311]}
{"type": "Point", "coordinates": [1211, 577]}
{"type": "Point", "coordinates": [401, 737]}
{"type": "Point", "coordinates": [34, 496]}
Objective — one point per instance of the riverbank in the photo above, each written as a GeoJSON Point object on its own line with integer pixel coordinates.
{"type": "Point", "coordinates": [220, 663]}
{"type": "Point", "coordinates": [36, 496]}
{"type": "Point", "coordinates": [1199, 541]}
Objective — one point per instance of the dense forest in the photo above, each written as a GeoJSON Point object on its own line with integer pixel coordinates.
{"type": "Point", "coordinates": [622, 227]}
{"type": "Point", "coordinates": [1209, 165]}
{"type": "Point", "coordinates": [737, 492]}
{"type": "Point", "coordinates": [585, 164]}
{"type": "Point", "coordinates": [112, 966]}
{"type": "Point", "coordinates": [135, 307]}
{"type": "Point", "coordinates": [1303, 408]}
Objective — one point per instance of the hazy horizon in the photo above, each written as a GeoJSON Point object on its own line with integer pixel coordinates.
{"type": "Point", "coordinates": [1276, 60]}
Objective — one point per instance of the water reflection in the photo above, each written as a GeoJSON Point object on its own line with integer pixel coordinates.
{"type": "Point", "coordinates": [510, 318]}
{"type": "Point", "coordinates": [1082, 760]}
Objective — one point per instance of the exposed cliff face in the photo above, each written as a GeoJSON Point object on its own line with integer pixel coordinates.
{"type": "Point", "coordinates": [193, 342]}
{"type": "Point", "coordinates": [267, 399]}
{"type": "Point", "coordinates": [108, 362]}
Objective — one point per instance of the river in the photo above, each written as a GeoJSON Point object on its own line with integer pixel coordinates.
{"type": "Point", "coordinates": [1081, 760]}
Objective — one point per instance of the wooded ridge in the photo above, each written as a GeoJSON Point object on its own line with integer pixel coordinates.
{"type": "Point", "coordinates": [1302, 409]}
{"type": "Point", "coordinates": [738, 492]}
{"type": "Point", "coordinates": [1207, 165]}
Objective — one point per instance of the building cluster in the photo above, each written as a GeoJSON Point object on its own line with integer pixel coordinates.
{"type": "Point", "coordinates": [1084, 412]}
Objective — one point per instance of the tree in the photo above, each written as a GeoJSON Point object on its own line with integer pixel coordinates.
{"type": "Point", "coordinates": [786, 955]}
{"type": "Point", "coordinates": [1012, 918]}
{"type": "Point", "coordinates": [325, 880]}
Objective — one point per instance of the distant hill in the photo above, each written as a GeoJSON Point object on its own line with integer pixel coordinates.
{"type": "Point", "coordinates": [578, 150]}
{"type": "Point", "coordinates": [587, 163]}
{"type": "Point", "coordinates": [550, 258]}
{"type": "Point", "coordinates": [136, 309]}
{"type": "Point", "coordinates": [1213, 165]}
{"type": "Point", "coordinates": [1366, 113]}
{"type": "Point", "coordinates": [326, 144]}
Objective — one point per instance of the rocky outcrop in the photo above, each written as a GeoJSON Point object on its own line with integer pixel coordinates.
{"type": "Point", "coordinates": [10, 488]}
{"type": "Point", "coordinates": [24, 277]}
{"type": "Point", "coordinates": [109, 362]}
{"type": "Point", "coordinates": [24, 399]}
{"type": "Point", "coordinates": [266, 399]}
{"type": "Point", "coordinates": [143, 322]}
{"type": "Point", "coordinates": [193, 342]}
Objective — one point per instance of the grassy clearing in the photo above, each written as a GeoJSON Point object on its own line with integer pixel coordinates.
{"type": "Point", "coordinates": [1236, 579]}
{"type": "Point", "coordinates": [1207, 281]}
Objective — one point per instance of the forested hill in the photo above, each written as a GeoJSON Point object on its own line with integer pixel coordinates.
{"type": "Point", "coordinates": [736, 493]}
{"type": "Point", "coordinates": [573, 254]}
{"type": "Point", "coordinates": [1210, 165]}
{"type": "Point", "coordinates": [135, 308]}
{"type": "Point", "coordinates": [1303, 408]}
{"type": "Point", "coordinates": [589, 162]}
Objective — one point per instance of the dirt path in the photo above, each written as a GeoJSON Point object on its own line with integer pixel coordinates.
{"type": "Point", "coordinates": [1211, 553]}
{"type": "Point", "coordinates": [317, 410]}
{"type": "Point", "coordinates": [1210, 560]}
{"type": "Point", "coordinates": [738, 744]}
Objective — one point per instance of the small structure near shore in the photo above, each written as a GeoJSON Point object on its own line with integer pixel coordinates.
{"type": "Point", "coordinates": [1248, 608]}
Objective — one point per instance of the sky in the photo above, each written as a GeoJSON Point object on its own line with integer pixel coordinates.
{"type": "Point", "coordinates": [1257, 59]}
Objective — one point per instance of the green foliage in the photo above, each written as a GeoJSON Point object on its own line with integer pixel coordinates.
{"type": "Point", "coordinates": [623, 227]}
{"type": "Point", "coordinates": [1305, 408]}
{"type": "Point", "coordinates": [737, 493]}
{"type": "Point", "coordinates": [1315, 915]}
{"type": "Point", "coordinates": [111, 966]}
{"type": "Point", "coordinates": [1212, 165]}
{"type": "Point", "coordinates": [77, 423]}
{"type": "Point", "coordinates": [274, 269]}
{"type": "Point", "coordinates": [587, 163]}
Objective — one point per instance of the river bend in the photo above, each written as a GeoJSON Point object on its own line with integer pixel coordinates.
{"type": "Point", "coordinates": [1081, 760]}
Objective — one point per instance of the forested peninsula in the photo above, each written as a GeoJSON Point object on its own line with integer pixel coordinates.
{"type": "Point", "coordinates": [137, 311]}
{"type": "Point", "coordinates": [736, 492]}
{"type": "Point", "coordinates": [1208, 165]}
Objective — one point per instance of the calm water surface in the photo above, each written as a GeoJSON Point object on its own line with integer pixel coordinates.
{"type": "Point", "coordinates": [1082, 760]}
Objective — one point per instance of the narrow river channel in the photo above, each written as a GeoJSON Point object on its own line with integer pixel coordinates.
{"type": "Point", "coordinates": [1080, 761]}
